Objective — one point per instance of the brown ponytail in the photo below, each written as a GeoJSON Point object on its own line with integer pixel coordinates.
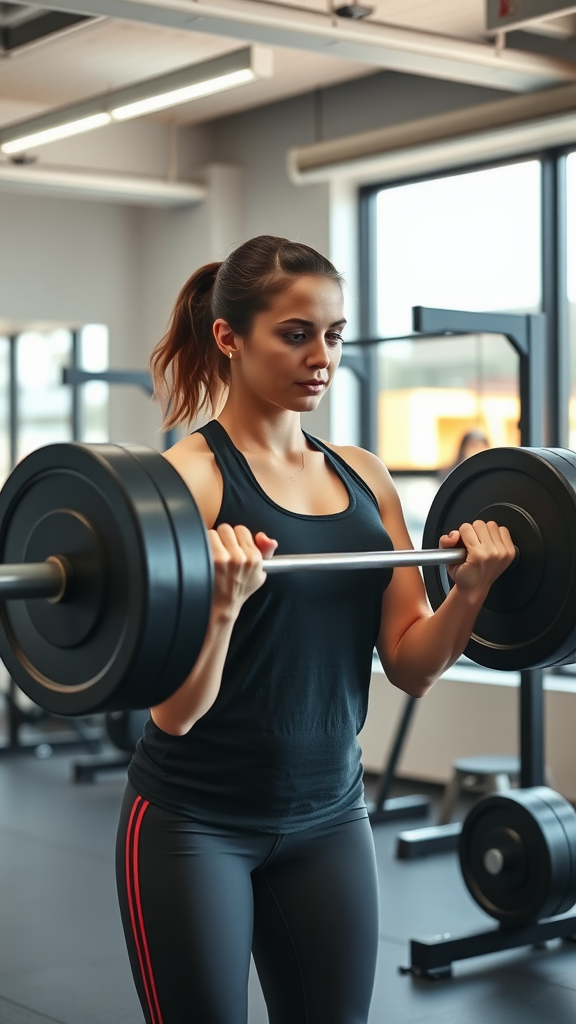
{"type": "Point", "coordinates": [188, 369]}
{"type": "Point", "coordinates": [190, 372]}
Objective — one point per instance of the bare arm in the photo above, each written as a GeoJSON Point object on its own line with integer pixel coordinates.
{"type": "Point", "coordinates": [238, 573]}
{"type": "Point", "coordinates": [415, 645]}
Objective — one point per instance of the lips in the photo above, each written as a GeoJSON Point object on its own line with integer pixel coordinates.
{"type": "Point", "coordinates": [312, 386]}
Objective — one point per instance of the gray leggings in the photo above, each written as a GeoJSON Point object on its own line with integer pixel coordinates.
{"type": "Point", "coordinates": [196, 900]}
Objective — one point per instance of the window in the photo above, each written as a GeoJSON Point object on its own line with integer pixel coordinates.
{"type": "Point", "coordinates": [36, 407]}
{"type": "Point", "coordinates": [467, 241]}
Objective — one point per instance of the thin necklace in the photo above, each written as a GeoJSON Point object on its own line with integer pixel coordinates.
{"type": "Point", "coordinates": [298, 471]}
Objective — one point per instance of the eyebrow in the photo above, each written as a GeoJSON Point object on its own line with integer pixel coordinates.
{"type": "Point", "coordinates": [309, 323]}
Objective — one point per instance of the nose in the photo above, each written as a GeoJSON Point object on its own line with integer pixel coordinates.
{"type": "Point", "coordinates": [319, 353]}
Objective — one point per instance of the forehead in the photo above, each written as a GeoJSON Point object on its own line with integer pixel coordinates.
{"type": "Point", "coordinates": [309, 298]}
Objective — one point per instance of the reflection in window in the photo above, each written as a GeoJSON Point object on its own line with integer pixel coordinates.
{"type": "Point", "coordinates": [434, 391]}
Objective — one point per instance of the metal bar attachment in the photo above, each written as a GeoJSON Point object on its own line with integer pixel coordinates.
{"type": "Point", "coordinates": [32, 579]}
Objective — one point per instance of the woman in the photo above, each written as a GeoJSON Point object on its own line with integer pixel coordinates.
{"type": "Point", "coordinates": [244, 825]}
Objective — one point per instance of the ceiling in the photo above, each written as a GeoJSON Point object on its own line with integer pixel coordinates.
{"type": "Point", "coordinates": [88, 52]}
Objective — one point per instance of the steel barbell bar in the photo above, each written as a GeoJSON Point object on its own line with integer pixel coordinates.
{"type": "Point", "coordinates": [49, 579]}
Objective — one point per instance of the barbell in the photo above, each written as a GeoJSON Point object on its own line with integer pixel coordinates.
{"type": "Point", "coordinates": [106, 571]}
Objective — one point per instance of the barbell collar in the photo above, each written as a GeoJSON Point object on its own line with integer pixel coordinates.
{"type": "Point", "coordinates": [365, 560]}
{"type": "Point", "coordinates": [34, 579]}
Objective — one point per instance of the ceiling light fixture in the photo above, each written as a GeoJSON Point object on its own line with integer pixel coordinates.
{"type": "Point", "coordinates": [61, 131]}
{"type": "Point", "coordinates": [189, 92]}
{"type": "Point", "coordinates": [190, 83]}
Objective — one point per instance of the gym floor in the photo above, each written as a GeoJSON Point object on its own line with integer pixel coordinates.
{"type": "Point", "coordinates": [62, 957]}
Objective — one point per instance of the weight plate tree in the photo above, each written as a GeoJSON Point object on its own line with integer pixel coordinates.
{"type": "Point", "coordinates": [529, 617]}
{"type": "Point", "coordinates": [122, 633]}
{"type": "Point", "coordinates": [518, 855]}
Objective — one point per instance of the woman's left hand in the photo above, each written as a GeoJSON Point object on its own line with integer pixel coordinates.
{"type": "Point", "coordinates": [489, 550]}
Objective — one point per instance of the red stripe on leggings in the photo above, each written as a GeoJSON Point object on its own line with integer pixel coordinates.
{"type": "Point", "coordinates": [140, 914]}
{"type": "Point", "coordinates": [132, 860]}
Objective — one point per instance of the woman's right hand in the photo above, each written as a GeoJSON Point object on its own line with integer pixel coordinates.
{"type": "Point", "coordinates": [238, 571]}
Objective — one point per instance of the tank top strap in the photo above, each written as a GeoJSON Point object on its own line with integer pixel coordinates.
{"type": "Point", "coordinates": [343, 468]}
{"type": "Point", "coordinates": [228, 459]}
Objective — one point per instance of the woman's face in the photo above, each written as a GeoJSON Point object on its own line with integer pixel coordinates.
{"type": "Point", "coordinates": [294, 347]}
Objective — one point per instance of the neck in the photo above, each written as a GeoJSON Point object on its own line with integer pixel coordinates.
{"type": "Point", "coordinates": [258, 428]}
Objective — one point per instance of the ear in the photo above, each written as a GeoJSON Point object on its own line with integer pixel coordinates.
{"type": "Point", "coordinates": [225, 338]}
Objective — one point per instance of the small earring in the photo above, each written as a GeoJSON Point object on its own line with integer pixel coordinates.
{"type": "Point", "coordinates": [230, 354]}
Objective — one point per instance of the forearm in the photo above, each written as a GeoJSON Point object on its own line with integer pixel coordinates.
{"type": "Point", "coordinates": [199, 690]}
{"type": "Point", "coordinates": [434, 642]}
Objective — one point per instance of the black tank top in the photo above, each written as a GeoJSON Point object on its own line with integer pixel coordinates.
{"type": "Point", "coordinates": [277, 751]}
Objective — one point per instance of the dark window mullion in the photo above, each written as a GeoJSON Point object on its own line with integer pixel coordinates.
{"type": "Point", "coordinates": [555, 296]}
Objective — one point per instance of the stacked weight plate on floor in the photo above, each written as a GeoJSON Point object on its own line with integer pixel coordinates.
{"type": "Point", "coordinates": [529, 617]}
{"type": "Point", "coordinates": [518, 855]}
{"type": "Point", "coordinates": [130, 626]}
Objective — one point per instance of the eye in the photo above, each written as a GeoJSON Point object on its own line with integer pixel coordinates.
{"type": "Point", "coordinates": [334, 337]}
{"type": "Point", "coordinates": [296, 336]}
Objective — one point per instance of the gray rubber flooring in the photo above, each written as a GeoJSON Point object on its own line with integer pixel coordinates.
{"type": "Point", "coordinates": [62, 958]}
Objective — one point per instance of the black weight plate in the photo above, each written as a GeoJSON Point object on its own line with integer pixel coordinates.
{"type": "Point", "coordinates": [116, 664]}
{"type": "Point", "coordinates": [528, 619]}
{"type": "Point", "coordinates": [565, 460]}
{"type": "Point", "coordinates": [195, 567]}
{"type": "Point", "coordinates": [533, 829]}
{"type": "Point", "coordinates": [566, 816]}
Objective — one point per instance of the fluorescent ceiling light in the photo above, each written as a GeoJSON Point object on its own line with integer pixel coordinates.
{"type": "Point", "coordinates": [190, 83]}
{"type": "Point", "coordinates": [190, 92]}
{"type": "Point", "coordinates": [61, 131]}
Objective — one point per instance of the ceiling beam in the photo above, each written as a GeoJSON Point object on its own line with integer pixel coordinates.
{"type": "Point", "coordinates": [381, 46]}
{"type": "Point", "coordinates": [134, 190]}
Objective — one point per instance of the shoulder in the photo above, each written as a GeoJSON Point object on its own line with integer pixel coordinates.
{"type": "Point", "coordinates": [370, 468]}
{"type": "Point", "coordinates": [195, 463]}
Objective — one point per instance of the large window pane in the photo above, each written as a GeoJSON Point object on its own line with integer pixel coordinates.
{"type": "Point", "coordinates": [94, 396]}
{"type": "Point", "coordinates": [467, 241]}
{"type": "Point", "coordinates": [44, 404]}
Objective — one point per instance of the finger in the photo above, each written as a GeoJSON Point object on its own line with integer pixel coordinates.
{"type": "Point", "coordinates": [498, 538]}
{"type": "Point", "coordinates": [219, 552]}
{"type": "Point", "coordinates": [507, 541]}
{"type": "Point", "coordinates": [229, 540]}
{"type": "Point", "coordinates": [265, 544]}
{"type": "Point", "coordinates": [246, 543]}
{"type": "Point", "coordinates": [482, 531]}
{"type": "Point", "coordinates": [450, 540]}
{"type": "Point", "coordinates": [469, 536]}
